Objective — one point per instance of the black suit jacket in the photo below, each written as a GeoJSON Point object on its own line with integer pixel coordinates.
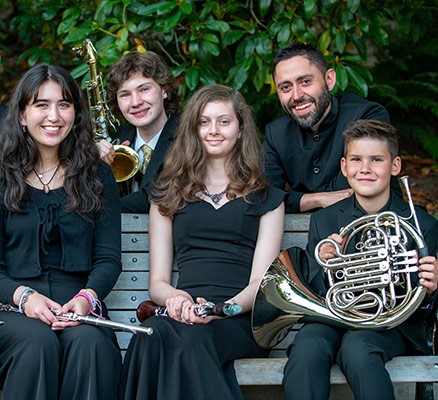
{"type": "Point", "coordinates": [330, 220]}
{"type": "Point", "coordinates": [138, 202]}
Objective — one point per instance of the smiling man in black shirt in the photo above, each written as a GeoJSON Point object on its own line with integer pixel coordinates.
{"type": "Point", "coordinates": [303, 148]}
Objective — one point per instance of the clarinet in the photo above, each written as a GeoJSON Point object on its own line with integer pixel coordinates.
{"type": "Point", "coordinates": [148, 308]}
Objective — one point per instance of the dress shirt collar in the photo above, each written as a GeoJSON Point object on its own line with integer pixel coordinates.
{"type": "Point", "coordinates": [140, 142]}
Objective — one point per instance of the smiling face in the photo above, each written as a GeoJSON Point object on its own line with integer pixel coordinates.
{"type": "Point", "coordinates": [368, 167]}
{"type": "Point", "coordinates": [141, 101]}
{"type": "Point", "coordinates": [304, 91]}
{"type": "Point", "coordinates": [218, 128]}
{"type": "Point", "coordinates": [49, 117]}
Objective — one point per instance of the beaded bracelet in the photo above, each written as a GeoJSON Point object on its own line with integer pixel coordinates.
{"type": "Point", "coordinates": [92, 301]}
{"type": "Point", "coordinates": [24, 297]}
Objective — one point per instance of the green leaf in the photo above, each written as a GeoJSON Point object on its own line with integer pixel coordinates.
{"type": "Point", "coordinates": [240, 78]}
{"type": "Point", "coordinates": [309, 5]}
{"type": "Point", "coordinates": [264, 6]}
{"type": "Point", "coordinates": [263, 45]}
{"type": "Point", "coordinates": [283, 35]}
{"type": "Point", "coordinates": [172, 20]}
{"type": "Point", "coordinates": [161, 7]}
{"type": "Point", "coordinates": [179, 69]}
{"type": "Point", "coordinates": [50, 13]}
{"type": "Point", "coordinates": [231, 37]}
{"type": "Point", "coordinates": [259, 79]}
{"type": "Point", "coordinates": [358, 81]}
{"type": "Point", "coordinates": [246, 65]}
{"type": "Point", "coordinates": [206, 76]}
{"type": "Point", "coordinates": [381, 35]}
{"type": "Point", "coordinates": [297, 26]}
{"type": "Point", "coordinates": [124, 33]}
{"type": "Point", "coordinates": [351, 59]}
{"type": "Point", "coordinates": [194, 48]}
{"type": "Point", "coordinates": [339, 41]}
{"type": "Point", "coordinates": [79, 71]}
{"type": "Point", "coordinates": [341, 77]}
{"type": "Point", "coordinates": [211, 38]}
{"type": "Point", "coordinates": [77, 35]}
{"type": "Point", "coordinates": [210, 47]}
{"type": "Point", "coordinates": [186, 8]}
{"type": "Point", "coordinates": [353, 5]}
{"type": "Point", "coordinates": [324, 41]}
{"type": "Point", "coordinates": [167, 7]}
{"type": "Point", "coordinates": [361, 46]}
{"type": "Point", "coordinates": [192, 78]}
{"type": "Point", "coordinates": [219, 26]}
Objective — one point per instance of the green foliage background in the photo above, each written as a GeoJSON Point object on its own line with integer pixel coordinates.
{"type": "Point", "coordinates": [385, 50]}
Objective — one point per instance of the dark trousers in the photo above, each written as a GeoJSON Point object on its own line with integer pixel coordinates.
{"type": "Point", "coordinates": [81, 362]}
{"type": "Point", "coordinates": [360, 354]}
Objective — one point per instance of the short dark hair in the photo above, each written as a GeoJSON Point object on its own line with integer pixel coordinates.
{"type": "Point", "coordinates": [309, 51]}
{"type": "Point", "coordinates": [152, 66]}
{"type": "Point", "coordinates": [372, 129]}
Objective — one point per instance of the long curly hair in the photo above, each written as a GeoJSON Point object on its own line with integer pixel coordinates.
{"type": "Point", "coordinates": [184, 169]}
{"type": "Point", "coordinates": [77, 153]}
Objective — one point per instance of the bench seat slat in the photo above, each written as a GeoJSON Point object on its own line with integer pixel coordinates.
{"type": "Point", "coordinates": [269, 371]}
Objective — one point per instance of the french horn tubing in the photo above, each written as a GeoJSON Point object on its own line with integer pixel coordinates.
{"type": "Point", "coordinates": [371, 288]}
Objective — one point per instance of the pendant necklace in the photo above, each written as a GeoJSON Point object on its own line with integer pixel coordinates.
{"type": "Point", "coordinates": [41, 174]}
{"type": "Point", "coordinates": [46, 187]}
{"type": "Point", "coordinates": [215, 197]}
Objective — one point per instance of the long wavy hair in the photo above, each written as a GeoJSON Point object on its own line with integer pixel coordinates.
{"type": "Point", "coordinates": [184, 169]}
{"type": "Point", "coordinates": [77, 152]}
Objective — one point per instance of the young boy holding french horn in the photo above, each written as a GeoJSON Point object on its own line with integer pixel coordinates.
{"type": "Point", "coordinates": [370, 160]}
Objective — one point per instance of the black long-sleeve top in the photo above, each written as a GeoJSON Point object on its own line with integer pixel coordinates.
{"type": "Point", "coordinates": [76, 245]}
{"type": "Point", "coordinates": [304, 161]}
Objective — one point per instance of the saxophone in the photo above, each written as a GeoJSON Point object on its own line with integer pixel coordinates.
{"type": "Point", "coordinates": [370, 288]}
{"type": "Point", "coordinates": [126, 161]}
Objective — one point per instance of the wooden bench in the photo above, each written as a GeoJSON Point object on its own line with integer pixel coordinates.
{"type": "Point", "coordinates": [132, 288]}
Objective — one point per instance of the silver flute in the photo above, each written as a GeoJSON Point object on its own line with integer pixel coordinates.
{"type": "Point", "coordinates": [87, 319]}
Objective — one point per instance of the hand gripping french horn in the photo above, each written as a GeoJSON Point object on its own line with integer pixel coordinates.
{"type": "Point", "coordinates": [371, 288]}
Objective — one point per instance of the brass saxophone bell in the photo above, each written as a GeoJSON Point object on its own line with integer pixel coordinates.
{"type": "Point", "coordinates": [126, 163]}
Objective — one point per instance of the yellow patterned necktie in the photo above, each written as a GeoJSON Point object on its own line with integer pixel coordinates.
{"type": "Point", "coordinates": [147, 153]}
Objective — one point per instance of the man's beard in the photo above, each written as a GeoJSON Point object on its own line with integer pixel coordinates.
{"type": "Point", "coordinates": [313, 117]}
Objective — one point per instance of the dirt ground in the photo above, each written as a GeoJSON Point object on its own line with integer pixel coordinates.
{"type": "Point", "coordinates": [423, 180]}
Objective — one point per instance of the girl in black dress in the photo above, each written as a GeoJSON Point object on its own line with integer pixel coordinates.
{"type": "Point", "coordinates": [212, 206]}
{"type": "Point", "coordinates": [59, 245]}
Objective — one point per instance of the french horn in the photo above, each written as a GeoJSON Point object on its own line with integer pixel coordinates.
{"type": "Point", "coordinates": [371, 288]}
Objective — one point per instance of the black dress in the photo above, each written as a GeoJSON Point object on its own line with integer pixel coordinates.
{"type": "Point", "coordinates": [214, 251]}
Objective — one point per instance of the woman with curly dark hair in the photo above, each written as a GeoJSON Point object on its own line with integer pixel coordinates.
{"type": "Point", "coordinates": [212, 206]}
{"type": "Point", "coordinates": [59, 245]}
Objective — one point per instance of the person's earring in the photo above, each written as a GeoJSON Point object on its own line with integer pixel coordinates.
{"type": "Point", "coordinates": [24, 128]}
